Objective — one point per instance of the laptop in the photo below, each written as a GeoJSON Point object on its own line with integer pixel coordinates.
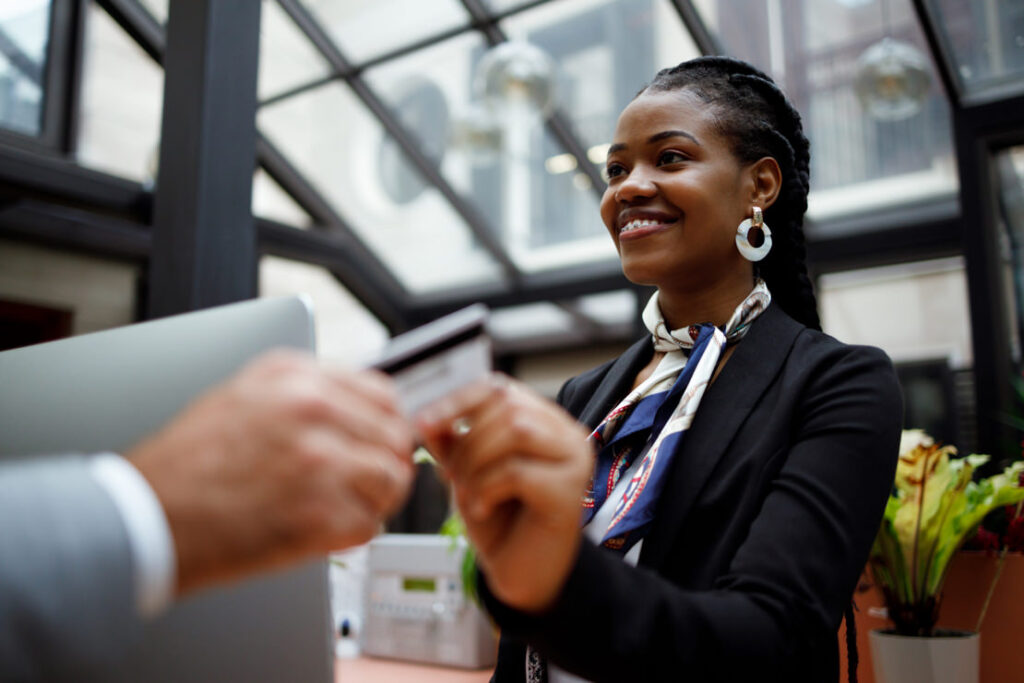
{"type": "Point", "coordinates": [104, 392]}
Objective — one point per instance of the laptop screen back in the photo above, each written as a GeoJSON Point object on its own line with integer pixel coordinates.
{"type": "Point", "coordinates": [107, 390]}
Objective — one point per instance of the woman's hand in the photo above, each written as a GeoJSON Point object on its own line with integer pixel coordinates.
{"type": "Point", "coordinates": [519, 465]}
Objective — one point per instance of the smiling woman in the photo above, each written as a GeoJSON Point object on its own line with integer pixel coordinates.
{"type": "Point", "coordinates": [738, 460]}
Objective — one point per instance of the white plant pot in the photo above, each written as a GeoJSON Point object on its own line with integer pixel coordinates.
{"type": "Point", "coordinates": [948, 658]}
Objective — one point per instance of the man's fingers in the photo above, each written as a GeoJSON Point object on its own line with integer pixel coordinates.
{"type": "Point", "coordinates": [379, 480]}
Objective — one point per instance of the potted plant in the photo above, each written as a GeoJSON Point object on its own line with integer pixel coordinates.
{"type": "Point", "coordinates": [935, 506]}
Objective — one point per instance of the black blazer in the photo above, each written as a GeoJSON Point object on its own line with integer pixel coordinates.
{"type": "Point", "coordinates": [762, 530]}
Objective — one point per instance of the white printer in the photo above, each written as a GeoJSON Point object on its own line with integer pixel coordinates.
{"type": "Point", "coordinates": [416, 608]}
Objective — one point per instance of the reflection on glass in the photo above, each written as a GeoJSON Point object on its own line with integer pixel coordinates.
{"type": "Point", "coordinates": [985, 39]}
{"type": "Point", "coordinates": [606, 51]}
{"type": "Point", "coordinates": [287, 58]}
{"type": "Point", "coordinates": [346, 333]}
{"type": "Point", "coordinates": [24, 32]}
{"type": "Point", "coordinates": [122, 96]}
{"type": "Point", "coordinates": [499, 160]}
{"type": "Point", "coordinates": [506, 161]}
{"type": "Point", "coordinates": [1009, 168]}
{"type": "Point", "coordinates": [346, 154]}
{"type": "Point", "coordinates": [364, 29]}
{"type": "Point", "coordinates": [812, 49]}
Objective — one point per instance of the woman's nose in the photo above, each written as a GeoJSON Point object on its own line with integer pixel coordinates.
{"type": "Point", "coordinates": [637, 185]}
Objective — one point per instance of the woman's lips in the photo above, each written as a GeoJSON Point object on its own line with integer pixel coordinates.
{"type": "Point", "coordinates": [641, 227]}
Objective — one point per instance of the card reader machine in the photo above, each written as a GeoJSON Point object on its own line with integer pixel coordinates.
{"type": "Point", "coordinates": [416, 608]}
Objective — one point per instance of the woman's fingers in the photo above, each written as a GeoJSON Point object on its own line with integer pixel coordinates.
{"type": "Point", "coordinates": [484, 422]}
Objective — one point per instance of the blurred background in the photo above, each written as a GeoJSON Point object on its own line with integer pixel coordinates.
{"type": "Point", "coordinates": [412, 156]}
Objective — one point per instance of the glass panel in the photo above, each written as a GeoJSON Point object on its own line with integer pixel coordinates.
{"type": "Point", "coordinates": [287, 58]}
{"type": "Point", "coordinates": [498, 6]}
{"type": "Point", "coordinates": [537, 213]}
{"type": "Point", "coordinates": [121, 102]}
{"type": "Point", "coordinates": [346, 333]}
{"type": "Point", "coordinates": [346, 154]}
{"type": "Point", "coordinates": [270, 201]}
{"type": "Point", "coordinates": [816, 50]}
{"type": "Point", "coordinates": [529, 321]}
{"type": "Point", "coordinates": [611, 309]}
{"type": "Point", "coordinates": [918, 313]}
{"type": "Point", "coordinates": [1009, 165]}
{"type": "Point", "coordinates": [24, 34]}
{"type": "Point", "coordinates": [985, 40]}
{"type": "Point", "coordinates": [605, 51]}
{"type": "Point", "coordinates": [158, 8]}
{"type": "Point", "coordinates": [367, 28]}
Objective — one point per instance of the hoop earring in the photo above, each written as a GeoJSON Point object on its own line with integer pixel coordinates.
{"type": "Point", "coordinates": [753, 238]}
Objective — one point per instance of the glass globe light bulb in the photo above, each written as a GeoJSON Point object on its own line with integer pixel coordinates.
{"type": "Point", "coordinates": [515, 73]}
{"type": "Point", "coordinates": [892, 80]}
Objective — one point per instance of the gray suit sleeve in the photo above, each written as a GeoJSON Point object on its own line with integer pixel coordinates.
{"type": "Point", "coordinates": [66, 593]}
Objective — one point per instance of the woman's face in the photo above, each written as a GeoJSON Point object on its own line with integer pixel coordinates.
{"type": "Point", "coordinates": [676, 194]}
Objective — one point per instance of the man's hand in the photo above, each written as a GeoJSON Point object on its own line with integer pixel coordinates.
{"type": "Point", "coordinates": [284, 461]}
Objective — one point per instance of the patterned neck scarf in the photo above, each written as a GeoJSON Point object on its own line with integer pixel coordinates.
{"type": "Point", "coordinates": [652, 420]}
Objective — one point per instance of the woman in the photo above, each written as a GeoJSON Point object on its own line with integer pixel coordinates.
{"type": "Point", "coordinates": [741, 466]}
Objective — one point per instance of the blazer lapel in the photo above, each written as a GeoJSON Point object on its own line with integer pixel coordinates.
{"type": "Point", "coordinates": [616, 383]}
{"type": "Point", "coordinates": [725, 406]}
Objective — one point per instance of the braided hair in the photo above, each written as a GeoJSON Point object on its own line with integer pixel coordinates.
{"type": "Point", "coordinates": [759, 121]}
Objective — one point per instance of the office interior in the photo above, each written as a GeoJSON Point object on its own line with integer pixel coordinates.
{"type": "Point", "coordinates": [411, 157]}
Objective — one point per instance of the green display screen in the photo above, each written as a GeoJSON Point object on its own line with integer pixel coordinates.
{"type": "Point", "coordinates": [417, 583]}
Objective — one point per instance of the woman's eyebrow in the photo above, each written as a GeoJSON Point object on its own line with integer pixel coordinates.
{"type": "Point", "coordinates": [657, 137]}
{"type": "Point", "coordinates": [672, 134]}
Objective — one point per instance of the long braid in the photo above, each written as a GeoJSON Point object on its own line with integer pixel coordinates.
{"type": "Point", "coordinates": [760, 121]}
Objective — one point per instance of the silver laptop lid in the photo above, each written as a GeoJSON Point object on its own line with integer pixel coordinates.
{"type": "Point", "coordinates": [105, 391]}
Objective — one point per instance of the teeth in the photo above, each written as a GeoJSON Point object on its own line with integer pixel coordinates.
{"type": "Point", "coordinates": [638, 223]}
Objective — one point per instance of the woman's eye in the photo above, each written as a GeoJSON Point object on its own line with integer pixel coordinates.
{"type": "Point", "coordinates": [613, 171]}
{"type": "Point", "coordinates": [670, 157]}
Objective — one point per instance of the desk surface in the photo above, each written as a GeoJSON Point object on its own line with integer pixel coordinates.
{"type": "Point", "coordinates": [370, 670]}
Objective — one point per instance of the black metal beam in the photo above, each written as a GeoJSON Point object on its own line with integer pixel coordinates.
{"type": "Point", "coordinates": [73, 228]}
{"type": "Point", "coordinates": [888, 246]}
{"type": "Point", "coordinates": [557, 122]}
{"type": "Point", "coordinates": [71, 71]}
{"type": "Point", "coordinates": [53, 177]}
{"type": "Point", "coordinates": [138, 23]}
{"type": "Point", "coordinates": [565, 283]}
{"type": "Point", "coordinates": [707, 42]}
{"type": "Point", "coordinates": [990, 325]}
{"type": "Point", "coordinates": [940, 50]}
{"type": "Point", "coordinates": [426, 166]}
{"type": "Point", "coordinates": [994, 118]}
{"type": "Point", "coordinates": [204, 237]}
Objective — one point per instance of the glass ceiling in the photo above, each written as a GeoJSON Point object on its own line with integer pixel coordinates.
{"type": "Point", "coordinates": [518, 180]}
{"type": "Point", "coordinates": [397, 126]}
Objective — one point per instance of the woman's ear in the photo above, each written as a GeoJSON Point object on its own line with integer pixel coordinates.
{"type": "Point", "coordinates": [767, 184]}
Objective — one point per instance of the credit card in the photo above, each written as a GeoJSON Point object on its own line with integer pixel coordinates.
{"type": "Point", "coordinates": [438, 358]}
